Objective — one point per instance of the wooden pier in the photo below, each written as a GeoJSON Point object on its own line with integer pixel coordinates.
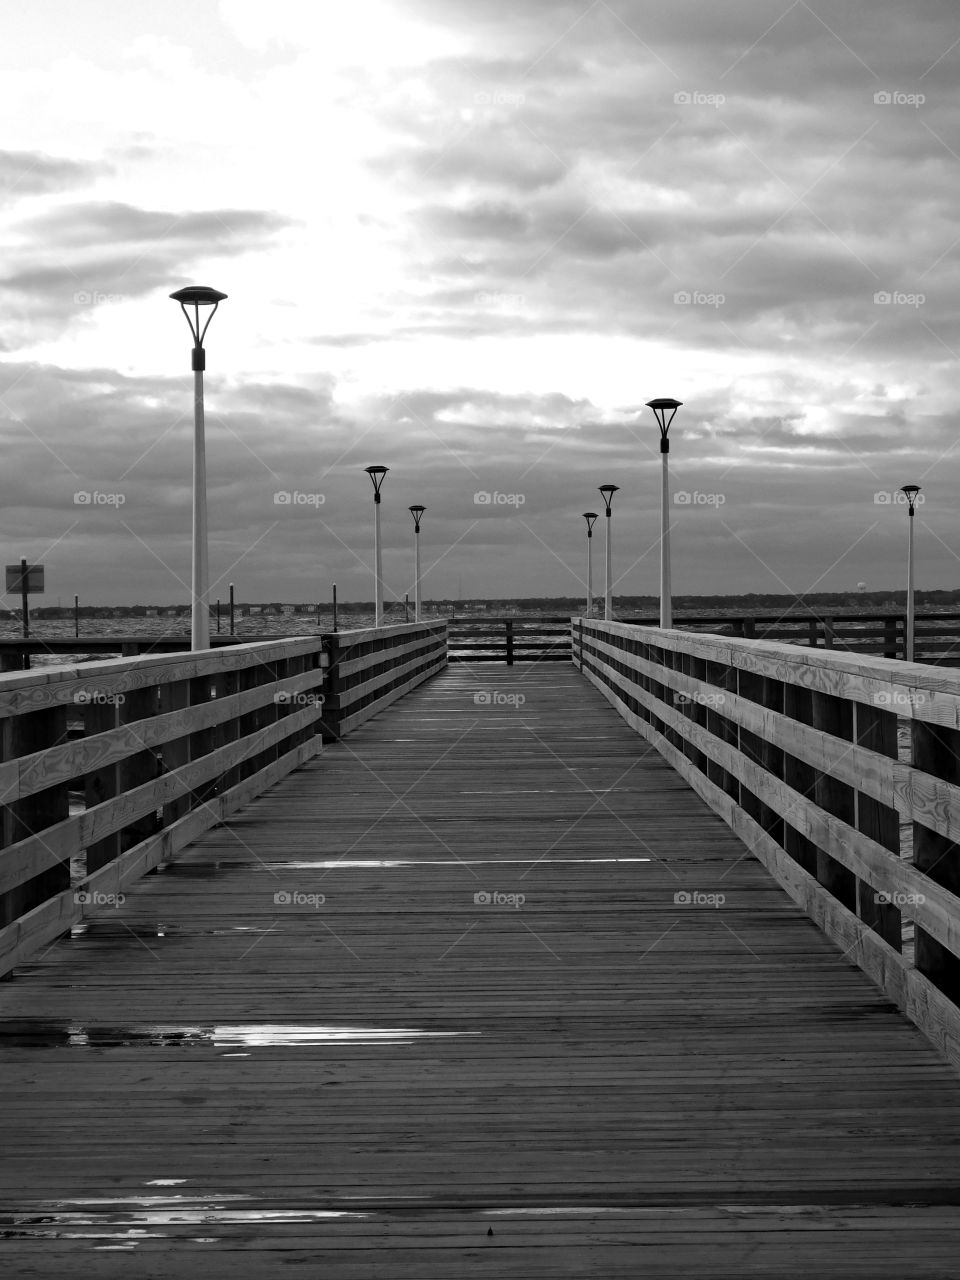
{"type": "Point", "coordinates": [485, 988]}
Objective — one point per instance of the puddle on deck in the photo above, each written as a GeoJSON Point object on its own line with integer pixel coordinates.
{"type": "Point", "coordinates": [327, 864]}
{"type": "Point", "coordinates": [25, 1033]}
{"type": "Point", "coordinates": [126, 1221]}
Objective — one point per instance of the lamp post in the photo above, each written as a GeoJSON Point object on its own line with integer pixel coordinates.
{"type": "Point", "coordinates": [591, 519]}
{"type": "Point", "coordinates": [660, 409]}
{"type": "Point", "coordinates": [376, 474]}
{"type": "Point", "coordinates": [198, 296]}
{"type": "Point", "coordinates": [417, 512]}
{"type": "Point", "coordinates": [607, 491]}
{"type": "Point", "coordinates": [910, 492]}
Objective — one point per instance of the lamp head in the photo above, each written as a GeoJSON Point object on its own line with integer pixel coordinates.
{"type": "Point", "coordinates": [591, 519]}
{"type": "Point", "coordinates": [376, 474]}
{"type": "Point", "coordinates": [417, 512]}
{"type": "Point", "coordinates": [607, 491]}
{"type": "Point", "coordinates": [661, 408]}
{"type": "Point", "coordinates": [197, 296]}
{"type": "Point", "coordinates": [910, 492]}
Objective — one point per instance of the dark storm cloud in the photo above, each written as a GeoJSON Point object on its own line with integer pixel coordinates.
{"type": "Point", "coordinates": [582, 172]}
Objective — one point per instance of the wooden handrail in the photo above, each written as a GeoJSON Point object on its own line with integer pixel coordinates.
{"type": "Point", "coordinates": [803, 753]}
{"type": "Point", "coordinates": [115, 765]}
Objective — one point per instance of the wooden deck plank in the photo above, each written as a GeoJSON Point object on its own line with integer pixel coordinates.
{"type": "Point", "coordinates": [611, 1081]}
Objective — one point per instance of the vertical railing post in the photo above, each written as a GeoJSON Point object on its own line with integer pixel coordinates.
{"type": "Point", "coordinates": [330, 721]}
{"type": "Point", "coordinates": [509, 641]}
{"type": "Point", "coordinates": [876, 729]}
{"type": "Point", "coordinates": [834, 715]}
{"type": "Point", "coordinates": [175, 696]}
{"type": "Point", "coordinates": [99, 716]}
{"type": "Point", "coordinates": [890, 642]}
{"type": "Point", "coordinates": [138, 704]}
{"type": "Point", "coordinates": [21, 735]}
{"type": "Point", "coordinates": [935, 751]}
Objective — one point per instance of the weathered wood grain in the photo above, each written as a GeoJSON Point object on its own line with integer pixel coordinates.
{"type": "Point", "coordinates": [613, 1082]}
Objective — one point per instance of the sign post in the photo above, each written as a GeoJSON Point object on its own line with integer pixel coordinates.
{"type": "Point", "coordinates": [28, 580]}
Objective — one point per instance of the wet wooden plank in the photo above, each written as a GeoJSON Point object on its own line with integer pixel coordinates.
{"type": "Point", "coordinates": [613, 1080]}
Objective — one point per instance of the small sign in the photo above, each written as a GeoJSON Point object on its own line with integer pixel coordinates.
{"type": "Point", "coordinates": [34, 579]}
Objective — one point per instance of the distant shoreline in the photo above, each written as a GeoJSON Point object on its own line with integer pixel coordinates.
{"type": "Point", "coordinates": [751, 604]}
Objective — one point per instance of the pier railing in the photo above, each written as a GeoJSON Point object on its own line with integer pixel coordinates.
{"type": "Point", "coordinates": [370, 668]}
{"type": "Point", "coordinates": [108, 768]}
{"type": "Point", "coordinates": [509, 639]}
{"type": "Point", "coordinates": [840, 773]}
{"type": "Point", "coordinates": [527, 638]}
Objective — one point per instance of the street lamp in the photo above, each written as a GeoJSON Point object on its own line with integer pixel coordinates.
{"type": "Point", "coordinates": [910, 492]}
{"type": "Point", "coordinates": [376, 474]}
{"type": "Point", "coordinates": [198, 296]}
{"type": "Point", "coordinates": [660, 409]}
{"type": "Point", "coordinates": [417, 512]}
{"type": "Point", "coordinates": [591, 519]}
{"type": "Point", "coordinates": [607, 491]}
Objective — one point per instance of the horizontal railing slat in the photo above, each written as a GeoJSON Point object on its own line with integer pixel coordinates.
{"type": "Point", "coordinates": [56, 914]}
{"type": "Point", "coordinates": [28, 774]}
{"type": "Point", "coordinates": [26, 691]}
{"type": "Point", "coordinates": [797, 749]}
{"type": "Point", "coordinates": [175, 739]}
{"type": "Point", "coordinates": [68, 838]}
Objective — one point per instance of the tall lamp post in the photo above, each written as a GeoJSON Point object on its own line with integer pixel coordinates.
{"type": "Point", "coordinates": [591, 519]}
{"type": "Point", "coordinates": [910, 492]}
{"type": "Point", "coordinates": [660, 409]}
{"type": "Point", "coordinates": [417, 512]}
{"type": "Point", "coordinates": [376, 474]}
{"type": "Point", "coordinates": [198, 296]}
{"type": "Point", "coordinates": [607, 491]}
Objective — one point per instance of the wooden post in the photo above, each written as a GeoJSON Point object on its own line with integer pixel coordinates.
{"type": "Point", "coordinates": [139, 704]}
{"type": "Point", "coordinates": [798, 704]}
{"type": "Point", "coordinates": [876, 729]}
{"type": "Point", "coordinates": [509, 627]}
{"type": "Point", "coordinates": [24, 599]}
{"type": "Point", "coordinates": [935, 749]}
{"type": "Point", "coordinates": [175, 696]}
{"type": "Point", "coordinates": [100, 784]}
{"type": "Point", "coordinates": [228, 730]}
{"type": "Point", "coordinates": [330, 721]}
{"type": "Point", "coordinates": [890, 646]}
{"type": "Point", "coordinates": [21, 735]}
{"type": "Point", "coordinates": [828, 636]}
{"type": "Point", "coordinates": [334, 606]}
{"type": "Point", "coordinates": [76, 616]}
{"type": "Point", "coordinates": [835, 716]}
{"type": "Point", "coordinates": [232, 621]}
{"type": "Point", "coordinates": [202, 690]}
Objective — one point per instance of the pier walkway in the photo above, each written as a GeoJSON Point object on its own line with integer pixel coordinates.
{"type": "Point", "coordinates": [484, 989]}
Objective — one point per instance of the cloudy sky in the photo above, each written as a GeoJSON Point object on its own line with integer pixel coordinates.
{"type": "Point", "coordinates": [468, 239]}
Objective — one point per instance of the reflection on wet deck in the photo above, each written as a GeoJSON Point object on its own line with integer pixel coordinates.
{"type": "Point", "coordinates": [330, 1036]}
{"type": "Point", "coordinates": [25, 1033]}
